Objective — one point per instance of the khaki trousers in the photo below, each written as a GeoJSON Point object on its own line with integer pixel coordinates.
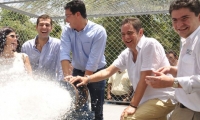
{"type": "Point", "coordinates": [184, 114]}
{"type": "Point", "coordinates": [154, 109]}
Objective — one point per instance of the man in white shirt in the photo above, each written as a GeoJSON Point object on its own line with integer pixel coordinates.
{"type": "Point", "coordinates": [140, 58]}
{"type": "Point", "coordinates": [185, 16]}
{"type": "Point", "coordinates": [119, 87]}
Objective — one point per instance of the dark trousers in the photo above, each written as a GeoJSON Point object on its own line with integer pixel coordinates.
{"type": "Point", "coordinates": [96, 90]}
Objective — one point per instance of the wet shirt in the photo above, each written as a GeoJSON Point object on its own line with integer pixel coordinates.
{"type": "Point", "coordinates": [47, 62]}
{"type": "Point", "coordinates": [12, 68]}
{"type": "Point", "coordinates": [13, 65]}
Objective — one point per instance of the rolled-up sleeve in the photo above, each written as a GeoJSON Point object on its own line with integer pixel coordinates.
{"type": "Point", "coordinates": [190, 84]}
{"type": "Point", "coordinates": [65, 46]}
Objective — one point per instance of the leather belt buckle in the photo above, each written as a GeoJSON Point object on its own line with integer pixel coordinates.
{"type": "Point", "coordinates": [182, 106]}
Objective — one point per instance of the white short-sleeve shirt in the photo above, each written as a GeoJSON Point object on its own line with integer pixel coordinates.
{"type": "Point", "coordinates": [151, 56]}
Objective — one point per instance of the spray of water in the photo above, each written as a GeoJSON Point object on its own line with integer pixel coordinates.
{"type": "Point", "coordinates": [24, 98]}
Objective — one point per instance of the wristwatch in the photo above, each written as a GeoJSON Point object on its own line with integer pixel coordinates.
{"type": "Point", "coordinates": [175, 84]}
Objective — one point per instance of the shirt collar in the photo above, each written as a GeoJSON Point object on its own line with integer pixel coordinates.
{"type": "Point", "coordinates": [140, 43]}
{"type": "Point", "coordinates": [85, 28]}
{"type": "Point", "coordinates": [36, 39]}
{"type": "Point", "coordinates": [191, 37]}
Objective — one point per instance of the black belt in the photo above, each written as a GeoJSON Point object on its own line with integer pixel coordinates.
{"type": "Point", "coordinates": [182, 106]}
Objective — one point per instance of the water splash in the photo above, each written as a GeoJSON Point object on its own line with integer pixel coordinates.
{"type": "Point", "coordinates": [24, 98]}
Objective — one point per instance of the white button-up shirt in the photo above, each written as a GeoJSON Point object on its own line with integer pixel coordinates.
{"type": "Point", "coordinates": [189, 72]}
{"type": "Point", "coordinates": [151, 56]}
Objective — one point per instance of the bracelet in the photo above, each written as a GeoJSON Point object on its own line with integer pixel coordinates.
{"type": "Point", "coordinates": [88, 79]}
{"type": "Point", "coordinates": [133, 106]}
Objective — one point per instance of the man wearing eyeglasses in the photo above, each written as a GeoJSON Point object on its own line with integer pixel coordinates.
{"type": "Point", "coordinates": [43, 50]}
{"type": "Point", "coordinates": [86, 40]}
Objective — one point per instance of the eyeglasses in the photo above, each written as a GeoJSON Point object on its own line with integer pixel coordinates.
{"type": "Point", "coordinates": [14, 36]}
{"type": "Point", "coordinates": [67, 15]}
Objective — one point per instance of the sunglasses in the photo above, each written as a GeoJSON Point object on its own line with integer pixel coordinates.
{"type": "Point", "coordinates": [14, 36]}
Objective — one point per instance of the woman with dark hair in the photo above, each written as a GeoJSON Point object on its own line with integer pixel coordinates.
{"type": "Point", "coordinates": [10, 60]}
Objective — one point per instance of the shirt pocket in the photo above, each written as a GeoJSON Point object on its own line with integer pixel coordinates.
{"type": "Point", "coordinates": [86, 47]}
{"type": "Point", "coordinates": [188, 62]}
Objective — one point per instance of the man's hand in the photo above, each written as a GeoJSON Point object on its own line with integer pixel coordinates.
{"type": "Point", "coordinates": [82, 80]}
{"type": "Point", "coordinates": [128, 111]}
{"type": "Point", "coordinates": [160, 80]}
{"type": "Point", "coordinates": [68, 77]}
{"type": "Point", "coordinates": [164, 70]}
{"type": "Point", "coordinates": [109, 97]}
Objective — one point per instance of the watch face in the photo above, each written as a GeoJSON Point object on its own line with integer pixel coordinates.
{"type": "Point", "coordinates": [175, 84]}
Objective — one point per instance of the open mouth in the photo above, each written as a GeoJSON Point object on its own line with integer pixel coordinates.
{"type": "Point", "coordinates": [129, 41]}
{"type": "Point", "coordinates": [180, 30]}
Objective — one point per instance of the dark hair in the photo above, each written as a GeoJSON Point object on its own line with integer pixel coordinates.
{"type": "Point", "coordinates": [76, 6]}
{"type": "Point", "coordinates": [3, 33]}
{"type": "Point", "coordinates": [44, 16]}
{"type": "Point", "coordinates": [193, 5]}
{"type": "Point", "coordinates": [172, 52]}
{"type": "Point", "coordinates": [18, 49]}
{"type": "Point", "coordinates": [135, 22]}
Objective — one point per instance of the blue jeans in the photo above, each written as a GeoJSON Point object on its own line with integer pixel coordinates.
{"type": "Point", "coordinates": [96, 90]}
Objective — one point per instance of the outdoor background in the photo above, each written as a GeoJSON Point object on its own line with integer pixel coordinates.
{"type": "Point", "coordinates": [155, 24]}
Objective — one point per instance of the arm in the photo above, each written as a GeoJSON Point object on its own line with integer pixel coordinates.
{"type": "Point", "coordinates": [65, 49]}
{"type": "Point", "coordinates": [88, 72]}
{"type": "Point", "coordinates": [101, 75]}
{"type": "Point", "coordinates": [27, 65]}
{"type": "Point", "coordinates": [139, 92]}
{"type": "Point", "coordinates": [109, 91]}
{"type": "Point", "coordinates": [141, 87]}
{"type": "Point", "coordinates": [168, 69]}
{"type": "Point", "coordinates": [65, 67]}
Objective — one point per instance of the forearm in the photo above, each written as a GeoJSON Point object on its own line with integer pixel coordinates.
{"type": "Point", "coordinates": [103, 74]}
{"type": "Point", "coordinates": [173, 71]}
{"type": "Point", "coordinates": [65, 67]}
{"type": "Point", "coordinates": [141, 87]}
{"type": "Point", "coordinates": [108, 89]}
{"type": "Point", "coordinates": [28, 66]}
{"type": "Point", "coordinates": [139, 92]}
{"type": "Point", "coordinates": [88, 72]}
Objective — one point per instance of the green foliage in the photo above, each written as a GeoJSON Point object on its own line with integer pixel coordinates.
{"type": "Point", "coordinates": [56, 31]}
{"type": "Point", "coordinates": [21, 23]}
{"type": "Point", "coordinates": [159, 26]}
{"type": "Point", "coordinates": [114, 45]}
{"type": "Point", "coordinates": [23, 26]}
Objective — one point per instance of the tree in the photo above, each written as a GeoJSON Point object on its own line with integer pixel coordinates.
{"type": "Point", "coordinates": [21, 23]}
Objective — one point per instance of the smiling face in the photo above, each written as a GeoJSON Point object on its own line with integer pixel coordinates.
{"type": "Point", "coordinates": [11, 41]}
{"type": "Point", "coordinates": [44, 28]}
{"type": "Point", "coordinates": [130, 36]}
{"type": "Point", "coordinates": [184, 21]}
{"type": "Point", "coordinates": [71, 18]}
{"type": "Point", "coordinates": [172, 59]}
